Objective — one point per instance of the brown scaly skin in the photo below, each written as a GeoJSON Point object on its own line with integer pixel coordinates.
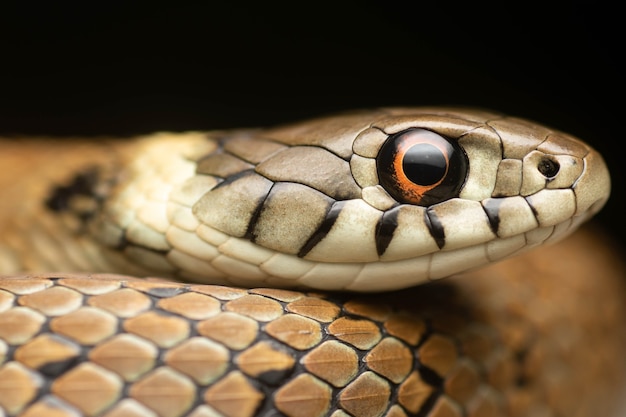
{"type": "Point", "coordinates": [538, 335]}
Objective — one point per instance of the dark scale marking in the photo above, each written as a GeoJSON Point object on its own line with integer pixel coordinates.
{"type": "Point", "coordinates": [322, 231]}
{"type": "Point", "coordinates": [83, 184]}
{"type": "Point", "coordinates": [429, 404]}
{"type": "Point", "coordinates": [385, 228]}
{"type": "Point", "coordinates": [277, 377]}
{"type": "Point", "coordinates": [250, 235]}
{"type": "Point", "coordinates": [428, 375]}
{"type": "Point", "coordinates": [274, 377]}
{"type": "Point", "coordinates": [259, 204]}
{"type": "Point", "coordinates": [435, 227]}
{"type": "Point", "coordinates": [521, 359]}
{"type": "Point", "coordinates": [533, 209]}
{"type": "Point", "coordinates": [126, 243]}
{"type": "Point", "coordinates": [165, 292]}
{"type": "Point", "coordinates": [123, 242]}
{"type": "Point", "coordinates": [492, 210]}
{"type": "Point", "coordinates": [234, 178]}
{"type": "Point", "coordinates": [58, 368]}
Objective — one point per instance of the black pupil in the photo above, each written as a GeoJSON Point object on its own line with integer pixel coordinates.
{"type": "Point", "coordinates": [424, 164]}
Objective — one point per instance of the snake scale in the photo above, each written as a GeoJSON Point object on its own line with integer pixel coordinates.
{"type": "Point", "coordinates": [283, 266]}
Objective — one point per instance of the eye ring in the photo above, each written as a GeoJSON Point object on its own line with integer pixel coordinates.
{"type": "Point", "coordinates": [418, 166]}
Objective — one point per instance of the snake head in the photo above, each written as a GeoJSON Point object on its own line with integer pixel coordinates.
{"type": "Point", "coordinates": [368, 201]}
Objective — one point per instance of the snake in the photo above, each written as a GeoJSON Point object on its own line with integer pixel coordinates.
{"type": "Point", "coordinates": [386, 262]}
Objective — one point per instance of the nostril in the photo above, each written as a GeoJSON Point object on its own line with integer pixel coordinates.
{"type": "Point", "coordinates": [548, 167]}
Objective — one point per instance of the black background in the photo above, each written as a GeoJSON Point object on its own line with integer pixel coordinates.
{"type": "Point", "coordinates": [123, 68]}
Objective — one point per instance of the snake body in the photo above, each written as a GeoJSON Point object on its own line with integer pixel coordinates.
{"type": "Point", "coordinates": [257, 222]}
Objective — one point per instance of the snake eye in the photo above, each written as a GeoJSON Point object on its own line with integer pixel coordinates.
{"type": "Point", "coordinates": [420, 167]}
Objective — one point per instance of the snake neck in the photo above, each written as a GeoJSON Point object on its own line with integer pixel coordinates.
{"type": "Point", "coordinates": [54, 198]}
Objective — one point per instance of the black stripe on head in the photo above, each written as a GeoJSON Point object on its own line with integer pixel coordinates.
{"type": "Point", "coordinates": [250, 235]}
{"type": "Point", "coordinates": [435, 227]}
{"type": "Point", "coordinates": [385, 227]}
{"type": "Point", "coordinates": [229, 180]}
{"type": "Point", "coordinates": [259, 203]}
{"type": "Point", "coordinates": [322, 231]}
{"type": "Point", "coordinates": [492, 209]}
{"type": "Point", "coordinates": [532, 208]}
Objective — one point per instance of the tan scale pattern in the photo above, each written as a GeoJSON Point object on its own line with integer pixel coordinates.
{"type": "Point", "coordinates": [197, 362]}
{"type": "Point", "coordinates": [125, 354]}
{"type": "Point", "coordinates": [487, 344]}
{"type": "Point", "coordinates": [398, 354]}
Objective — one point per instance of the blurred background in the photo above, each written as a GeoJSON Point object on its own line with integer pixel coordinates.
{"type": "Point", "coordinates": [122, 68]}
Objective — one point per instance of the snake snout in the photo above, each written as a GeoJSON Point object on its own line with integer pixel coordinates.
{"type": "Point", "coordinates": [593, 187]}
